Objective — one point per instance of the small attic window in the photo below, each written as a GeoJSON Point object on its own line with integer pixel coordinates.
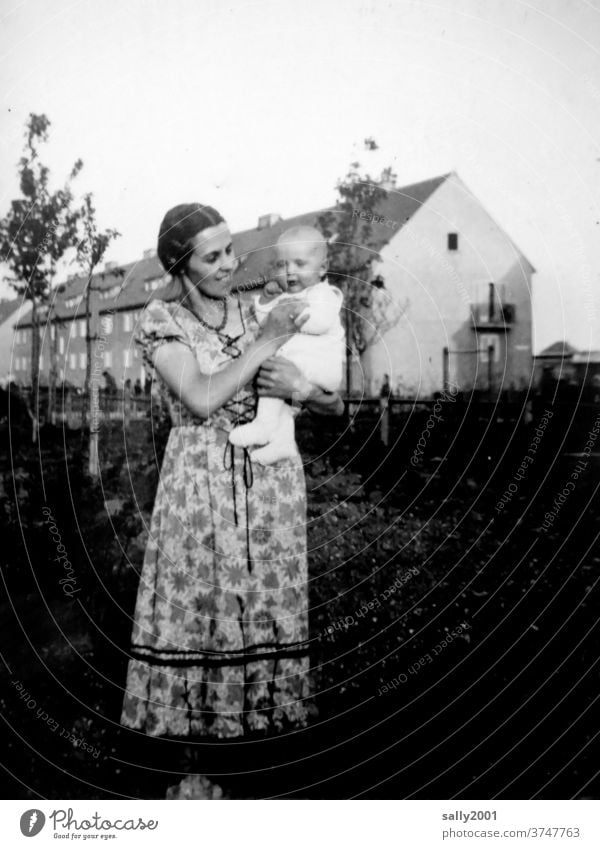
{"type": "Point", "coordinates": [452, 241]}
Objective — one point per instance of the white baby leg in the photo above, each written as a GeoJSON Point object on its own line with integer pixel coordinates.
{"type": "Point", "coordinates": [261, 429]}
{"type": "Point", "coordinates": [282, 446]}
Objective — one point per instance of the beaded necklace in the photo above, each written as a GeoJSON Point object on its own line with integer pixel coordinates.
{"type": "Point", "coordinates": [216, 328]}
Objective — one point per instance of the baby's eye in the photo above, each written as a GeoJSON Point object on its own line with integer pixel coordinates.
{"type": "Point", "coordinates": [300, 263]}
{"type": "Point", "coordinates": [280, 263]}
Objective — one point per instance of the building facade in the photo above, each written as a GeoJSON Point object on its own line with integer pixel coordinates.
{"type": "Point", "coordinates": [467, 321]}
{"type": "Point", "coordinates": [119, 294]}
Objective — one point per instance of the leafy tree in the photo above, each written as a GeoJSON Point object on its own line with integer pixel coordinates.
{"type": "Point", "coordinates": [368, 311]}
{"type": "Point", "coordinates": [92, 246]}
{"type": "Point", "coordinates": [35, 235]}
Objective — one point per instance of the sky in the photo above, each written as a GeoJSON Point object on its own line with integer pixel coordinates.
{"type": "Point", "coordinates": [257, 107]}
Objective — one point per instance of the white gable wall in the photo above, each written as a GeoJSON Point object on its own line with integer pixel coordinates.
{"type": "Point", "coordinates": [441, 286]}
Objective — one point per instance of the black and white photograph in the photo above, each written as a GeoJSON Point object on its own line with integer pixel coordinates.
{"type": "Point", "coordinates": [300, 415]}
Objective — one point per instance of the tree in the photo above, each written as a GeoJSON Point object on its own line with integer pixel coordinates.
{"type": "Point", "coordinates": [369, 310]}
{"type": "Point", "coordinates": [35, 235]}
{"type": "Point", "coordinates": [92, 246]}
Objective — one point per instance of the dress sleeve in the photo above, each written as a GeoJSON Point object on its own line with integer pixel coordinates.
{"type": "Point", "coordinates": [156, 326]}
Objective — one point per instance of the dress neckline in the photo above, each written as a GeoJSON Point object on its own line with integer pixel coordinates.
{"type": "Point", "coordinates": [222, 335]}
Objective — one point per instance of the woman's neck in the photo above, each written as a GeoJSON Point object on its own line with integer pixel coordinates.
{"type": "Point", "coordinates": [210, 309]}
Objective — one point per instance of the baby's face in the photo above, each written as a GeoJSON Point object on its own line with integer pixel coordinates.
{"type": "Point", "coordinates": [300, 264]}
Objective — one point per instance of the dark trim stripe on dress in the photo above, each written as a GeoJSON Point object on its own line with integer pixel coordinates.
{"type": "Point", "coordinates": [173, 657]}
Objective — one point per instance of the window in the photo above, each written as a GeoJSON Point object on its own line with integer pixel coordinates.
{"type": "Point", "coordinates": [41, 361]}
{"type": "Point", "coordinates": [81, 327]}
{"type": "Point", "coordinates": [72, 361]}
{"type": "Point", "coordinates": [61, 345]}
{"type": "Point", "coordinates": [82, 359]}
{"type": "Point", "coordinates": [107, 324]}
{"type": "Point", "coordinates": [452, 241]}
{"type": "Point", "coordinates": [73, 330]}
{"type": "Point", "coordinates": [73, 302]}
{"type": "Point", "coordinates": [127, 358]}
{"type": "Point", "coordinates": [106, 294]}
{"type": "Point", "coordinates": [108, 359]}
{"type": "Point", "coordinates": [128, 322]}
{"type": "Point", "coordinates": [153, 284]}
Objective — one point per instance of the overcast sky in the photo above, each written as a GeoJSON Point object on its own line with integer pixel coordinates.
{"type": "Point", "coordinates": [258, 107]}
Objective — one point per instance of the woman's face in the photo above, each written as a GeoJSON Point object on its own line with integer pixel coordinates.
{"type": "Point", "coordinates": [212, 262]}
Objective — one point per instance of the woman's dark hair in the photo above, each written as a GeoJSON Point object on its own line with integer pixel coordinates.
{"type": "Point", "coordinates": [178, 228]}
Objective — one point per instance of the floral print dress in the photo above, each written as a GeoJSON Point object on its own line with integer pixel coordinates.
{"type": "Point", "coordinates": [219, 642]}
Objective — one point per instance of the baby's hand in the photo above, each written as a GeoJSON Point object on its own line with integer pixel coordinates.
{"type": "Point", "coordinates": [271, 290]}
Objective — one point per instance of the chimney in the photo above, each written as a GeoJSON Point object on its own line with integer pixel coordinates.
{"type": "Point", "coordinates": [268, 220]}
{"type": "Point", "coordinates": [387, 180]}
{"type": "Point", "coordinates": [149, 253]}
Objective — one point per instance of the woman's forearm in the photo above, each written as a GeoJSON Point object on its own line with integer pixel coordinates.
{"type": "Point", "coordinates": [203, 394]}
{"type": "Point", "coordinates": [324, 403]}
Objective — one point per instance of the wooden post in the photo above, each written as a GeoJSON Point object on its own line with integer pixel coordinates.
{"type": "Point", "coordinates": [445, 368]}
{"type": "Point", "coordinates": [347, 327]}
{"type": "Point", "coordinates": [490, 368]}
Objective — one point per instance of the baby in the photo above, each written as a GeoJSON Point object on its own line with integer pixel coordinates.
{"type": "Point", "coordinates": [317, 349]}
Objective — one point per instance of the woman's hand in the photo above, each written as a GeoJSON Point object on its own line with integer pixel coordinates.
{"type": "Point", "coordinates": [282, 322]}
{"type": "Point", "coordinates": [280, 378]}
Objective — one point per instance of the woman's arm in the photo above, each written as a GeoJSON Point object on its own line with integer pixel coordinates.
{"type": "Point", "coordinates": [280, 378]}
{"type": "Point", "coordinates": [203, 394]}
{"type": "Point", "coordinates": [324, 403]}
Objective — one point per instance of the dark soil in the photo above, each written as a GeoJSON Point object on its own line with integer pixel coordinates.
{"type": "Point", "coordinates": [455, 642]}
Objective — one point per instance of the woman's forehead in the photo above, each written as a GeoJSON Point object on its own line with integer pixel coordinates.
{"type": "Point", "coordinates": [213, 238]}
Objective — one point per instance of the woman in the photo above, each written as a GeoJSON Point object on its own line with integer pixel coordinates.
{"type": "Point", "coordinates": [219, 644]}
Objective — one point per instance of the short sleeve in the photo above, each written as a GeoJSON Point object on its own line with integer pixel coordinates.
{"type": "Point", "coordinates": [155, 327]}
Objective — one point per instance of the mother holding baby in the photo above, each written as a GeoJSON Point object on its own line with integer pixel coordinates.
{"type": "Point", "coordinates": [220, 636]}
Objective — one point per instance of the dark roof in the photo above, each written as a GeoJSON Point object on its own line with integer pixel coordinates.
{"type": "Point", "coordinates": [128, 281]}
{"type": "Point", "coordinates": [254, 246]}
{"type": "Point", "coordinates": [558, 349]}
{"type": "Point", "coordinates": [7, 308]}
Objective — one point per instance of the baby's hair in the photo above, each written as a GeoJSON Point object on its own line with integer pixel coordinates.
{"type": "Point", "coordinates": [303, 234]}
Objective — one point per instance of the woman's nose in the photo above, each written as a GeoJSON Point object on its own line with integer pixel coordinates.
{"type": "Point", "coordinates": [229, 263]}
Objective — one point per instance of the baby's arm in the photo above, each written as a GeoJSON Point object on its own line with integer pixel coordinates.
{"type": "Point", "coordinates": [323, 310]}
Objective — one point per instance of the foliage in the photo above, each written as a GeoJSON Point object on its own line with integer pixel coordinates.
{"type": "Point", "coordinates": [37, 232]}
{"type": "Point", "coordinates": [91, 248]}
{"type": "Point", "coordinates": [369, 309]}
{"type": "Point", "coordinates": [350, 235]}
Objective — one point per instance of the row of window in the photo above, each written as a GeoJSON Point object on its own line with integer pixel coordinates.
{"type": "Point", "coordinates": [79, 360]}
{"type": "Point", "coordinates": [150, 285]}
{"type": "Point", "coordinates": [77, 327]}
